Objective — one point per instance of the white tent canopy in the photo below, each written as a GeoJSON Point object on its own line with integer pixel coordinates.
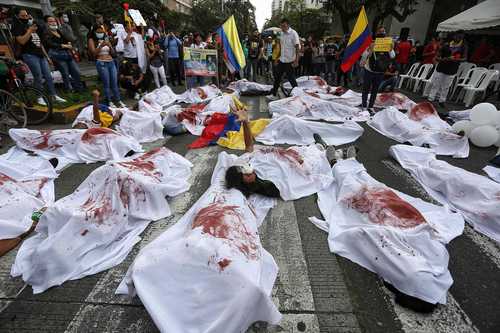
{"type": "Point", "coordinates": [482, 16]}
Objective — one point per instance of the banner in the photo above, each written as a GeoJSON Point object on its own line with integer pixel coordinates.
{"type": "Point", "coordinates": [200, 62]}
{"type": "Point", "coordinates": [383, 44]}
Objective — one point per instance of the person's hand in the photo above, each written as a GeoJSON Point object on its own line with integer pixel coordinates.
{"type": "Point", "coordinates": [33, 28]}
{"type": "Point", "coordinates": [51, 63]}
{"type": "Point", "coordinates": [241, 113]}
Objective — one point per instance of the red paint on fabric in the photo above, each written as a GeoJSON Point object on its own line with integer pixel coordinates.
{"type": "Point", "coordinates": [144, 165]}
{"type": "Point", "coordinates": [44, 144]}
{"type": "Point", "coordinates": [4, 178]}
{"type": "Point", "coordinates": [289, 154]}
{"type": "Point", "coordinates": [390, 99]}
{"type": "Point", "coordinates": [313, 94]}
{"type": "Point", "coordinates": [339, 91]}
{"type": "Point", "coordinates": [97, 210]}
{"type": "Point", "coordinates": [319, 81]}
{"type": "Point", "coordinates": [223, 264]}
{"type": "Point", "coordinates": [422, 111]}
{"type": "Point", "coordinates": [383, 206]}
{"type": "Point", "coordinates": [225, 222]}
{"type": "Point", "coordinates": [91, 134]}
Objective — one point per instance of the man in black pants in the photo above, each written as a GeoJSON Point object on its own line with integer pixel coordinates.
{"type": "Point", "coordinates": [289, 58]}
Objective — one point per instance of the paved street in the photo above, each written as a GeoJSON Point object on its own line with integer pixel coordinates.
{"type": "Point", "coordinates": [316, 291]}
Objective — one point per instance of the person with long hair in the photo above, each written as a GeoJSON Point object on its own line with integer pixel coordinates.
{"type": "Point", "coordinates": [100, 46]}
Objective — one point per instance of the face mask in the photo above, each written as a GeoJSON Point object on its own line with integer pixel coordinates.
{"type": "Point", "coordinates": [381, 34]}
{"type": "Point", "coordinates": [25, 21]}
{"type": "Point", "coordinates": [65, 19]}
{"type": "Point", "coordinates": [53, 26]}
{"type": "Point", "coordinates": [100, 35]}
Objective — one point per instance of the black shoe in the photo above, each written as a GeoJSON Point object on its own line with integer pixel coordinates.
{"type": "Point", "coordinates": [130, 153]}
{"type": "Point", "coordinates": [319, 139]}
{"type": "Point", "coordinates": [461, 133]}
{"type": "Point", "coordinates": [54, 162]}
{"type": "Point", "coordinates": [410, 302]}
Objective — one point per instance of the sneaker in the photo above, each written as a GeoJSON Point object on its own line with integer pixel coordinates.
{"type": "Point", "coordinates": [112, 105]}
{"type": "Point", "coordinates": [121, 104]}
{"type": "Point", "coordinates": [271, 98]}
{"type": "Point", "coordinates": [137, 96]}
{"type": "Point", "coordinates": [59, 99]}
{"type": "Point", "coordinates": [318, 139]}
{"type": "Point", "coordinates": [330, 155]}
{"type": "Point", "coordinates": [41, 101]}
{"type": "Point", "coordinates": [351, 152]}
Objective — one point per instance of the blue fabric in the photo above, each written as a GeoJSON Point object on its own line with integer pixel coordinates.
{"type": "Point", "coordinates": [39, 67]}
{"type": "Point", "coordinates": [68, 67]}
{"type": "Point", "coordinates": [109, 77]}
{"type": "Point", "coordinates": [172, 46]}
{"type": "Point", "coordinates": [228, 50]}
{"type": "Point", "coordinates": [231, 125]}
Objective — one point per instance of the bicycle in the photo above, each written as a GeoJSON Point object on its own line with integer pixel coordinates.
{"type": "Point", "coordinates": [36, 102]}
{"type": "Point", "coordinates": [12, 112]}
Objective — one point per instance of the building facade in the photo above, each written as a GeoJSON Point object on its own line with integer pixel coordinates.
{"type": "Point", "coordinates": [181, 6]}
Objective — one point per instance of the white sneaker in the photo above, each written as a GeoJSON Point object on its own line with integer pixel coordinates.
{"type": "Point", "coordinates": [112, 105]}
{"type": "Point", "coordinates": [59, 99]}
{"type": "Point", "coordinates": [121, 104]}
{"type": "Point", "coordinates": [272, 98]}
{"type": "Point", "coordinates": [137, 96]}
{"type": "Point", "coordinates": [41, 101]}
{"type": "Point", "coordinates": [351, 152]}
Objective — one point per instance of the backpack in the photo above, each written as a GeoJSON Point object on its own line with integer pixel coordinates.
{"type": "Point", "coordinates": [379, 61]}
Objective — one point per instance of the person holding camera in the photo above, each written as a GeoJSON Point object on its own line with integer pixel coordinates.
{"type": "Point", "coordinates": [100, 46]}
{"type": "Point", "coordinates": [173, 46]}
{"type": "Point", "coordinates": [31, 50]}
{"type": "Point", "coordinates": [155, 56]}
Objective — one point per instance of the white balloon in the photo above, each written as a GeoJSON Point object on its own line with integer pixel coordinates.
{"type": "Point", "coordinates": [483, 114]}
{"type": "Point", "coordinates": [484, 136]}
{"type": "Point", "coordinates": [462, 125]}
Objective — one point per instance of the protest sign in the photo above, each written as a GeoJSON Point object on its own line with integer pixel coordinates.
{"type": "Point", "coordinates": [136, 15]}
{"type": "Point", "coordinates": [383, 44]}
{"type": "Point", "coordinates": [200, 62]}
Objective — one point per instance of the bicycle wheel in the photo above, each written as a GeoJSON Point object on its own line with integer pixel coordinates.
{"type": "Point", "coordinates": [37, 103]}
{"type": "Point", "coordinates": [12, 112]}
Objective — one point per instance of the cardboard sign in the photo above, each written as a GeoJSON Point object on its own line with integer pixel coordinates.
{"type": "Point", "coordinates": [383, 44]}
{"type": "Point", "coordinates": [137, 17]}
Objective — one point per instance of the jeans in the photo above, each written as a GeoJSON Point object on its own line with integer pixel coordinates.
{"type": "Point", "coordinates": [196, 81]}
{"type": "Point", "coordinates": [174, 65]}
{"type": "Point", "coordinates": [330, 68]}
{"type": "Point", "coordinates": [371, 82]}
{"type": "Point", "coordinates": [67, 66]}
{"type": "Point", "coordinates": [390, 82]}
{"type": "Point", "coordinates": [283, 68]}
{"type": "Point", "coordinates": [109, 77]}
{"type": "Point", "coordinates": [253, 64]}
{"type": "Point", "coordinates": [39, 66]}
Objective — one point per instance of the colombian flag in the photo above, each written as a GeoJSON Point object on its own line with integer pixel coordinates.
{"type": "Point", "coordinates": [233, 52]}
{"type": "Point", "coordinates": [361, 38]}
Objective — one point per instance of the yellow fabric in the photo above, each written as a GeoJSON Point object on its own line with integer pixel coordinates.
{"type": "Point", "coordinates": [231, 32]}
{"type": "Point", "coordinates": [360, 26]}
{"type": "Point", "coordinates": [236, 140]}
{"type": "Point", "coordinates": [106, 119]}
{"type": "Point", "coordinates": [276, 50]}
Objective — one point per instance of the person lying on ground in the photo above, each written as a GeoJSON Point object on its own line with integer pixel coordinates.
{"type": "Point", "coordinates": [102, 116]}
{"type": "Point", "coordinates": [243, 177]}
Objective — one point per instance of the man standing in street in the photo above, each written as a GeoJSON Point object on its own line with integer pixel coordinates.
{"type": "Point", "coordinates": [289, 57]}
{"type": "Point", "coordinates": [172, 46]}
{"type": "Point", "coordinates": [254, 50]}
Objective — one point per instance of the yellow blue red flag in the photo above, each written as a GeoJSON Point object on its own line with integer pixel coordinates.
{"type": "Point", "coordinates": [361, 38]}
{"type": "Point", "coordinates": [233, 52]}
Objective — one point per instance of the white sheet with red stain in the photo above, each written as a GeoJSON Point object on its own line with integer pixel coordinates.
{"type": "Point", "coordinates": [394, 99]}
{"type": "Point", "coordinates": [96, 226]}
{"type": "Point", "coordinates": [295, 131]}
{"type": "Point", "coordinates": [199, 94]}
{"type": "Point", "coordinates": [474, 196]}
{"type": "Point", "coordinates": [209, 272]}
{"type": "Point", "coordinates": [158, 100]}
{"type": "Point", "coordinates": [399, 237]}
{"type": "Point", "coordinates": [420, 126]}
{"type": "Point", "coordinates": [246, 87]}
{"type": "Point", "coordinates": [26, 185]}
{"type": "Point", "coordinates": [313, 108]}
{"type": "Point", "coordinates": [76, 145]}
{"type": "Point", "coordinates": [307, 82]}
{"type": "Point", "coordinates": [195, 116]}
{"type": "Point", "coordinates": [338, 94]}
{"type": "Point", "coordinates": [142, 126]}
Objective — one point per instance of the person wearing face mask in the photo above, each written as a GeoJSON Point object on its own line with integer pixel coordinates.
{"type": "Point", "coordinates": [33, 53]}
{"type": "Point", "coordinates": [133, 46]}
{"type": "Point", "coordinates": [65, 27]}
{"type": "Point", "coordinates": [59, 48]}
{"type": "Point", "coordinates": [100, 46]}
{"type": "Point", "coordinates": [375, 64]}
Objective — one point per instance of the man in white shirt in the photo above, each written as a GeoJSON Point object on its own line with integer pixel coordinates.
{"type": "Point", "coordinates": [289, 57]}
{"type": "Point", "coordinates": [133, 47]}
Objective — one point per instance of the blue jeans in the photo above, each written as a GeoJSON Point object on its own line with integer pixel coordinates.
{"type": "Point", "coordinates": [390, 82]}
{"type": "Point", "coordinates": [195, 81]}
{"type": "Point", "coordinates": [67, 66]}
{"type": "Point", "coordinates": [39, 66]}
{"type": "Point", "coordinates": [109, 77]}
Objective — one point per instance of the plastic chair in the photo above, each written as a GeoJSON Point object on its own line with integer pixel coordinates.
{"type": "Point", "coordinates": [497, 81]}
{"type": "Point", "coordinates": [411, 73]}
{"type": "Point", "coordinates": [428, 85]}
{"type": "Point", "coordinates": [423, 72]}
{"type": "Point", "coordinates": [481, 87]}
{"type": "Point", "coordinates": [461, 75]}
{"type": "Point", "coordinates": [471, 80]}
{"type": "Point", "coordinates": [426, 77]}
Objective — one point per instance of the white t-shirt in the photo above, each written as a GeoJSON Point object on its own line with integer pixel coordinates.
{"type": "Point", "coordinates": [288, 41]}
{"type": "Point", "coordinates": [201, 46]}
{"type": "Point", "coordinates": [130, 48]}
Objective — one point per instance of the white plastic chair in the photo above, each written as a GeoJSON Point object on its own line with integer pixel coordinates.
{"type": "Point", "coordinates": [481, 87]}
{"type": "Point", "coordinates": [423, 72]}
{"type": "Point", "coordinates": [471, 80]}
{"type": "Point", "coordinates": [412, 72]}
{"type": "Point", "coordinates": [428, 85]}
{"type": "Point", "coordinates": [495, 67]}
{"type": "Point", "coordinates": [461, 75]}
{"type": "Point", "coordinates": [426, 77]}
